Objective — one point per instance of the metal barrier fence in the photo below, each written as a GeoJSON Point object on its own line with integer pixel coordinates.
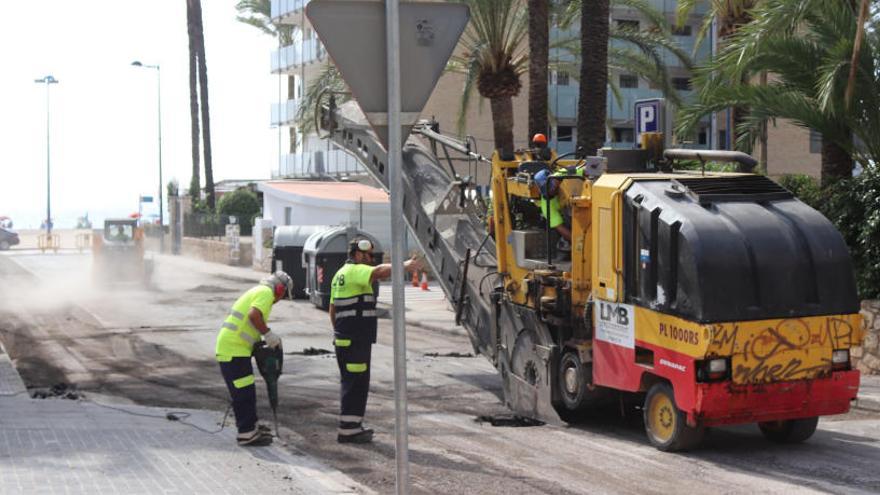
{"type": "Point", "coordinates": [207, 225]}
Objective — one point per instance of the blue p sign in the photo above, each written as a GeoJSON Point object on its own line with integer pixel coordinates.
{"type": "Point", "coordinates": [649, 116]}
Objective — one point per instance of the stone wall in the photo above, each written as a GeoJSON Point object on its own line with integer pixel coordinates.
{"type": "Point", "coordinates": [867, 357]}
{"type": "Point", "coordinates": [217, 251]}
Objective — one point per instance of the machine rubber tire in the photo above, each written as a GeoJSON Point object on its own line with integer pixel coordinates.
{"type": "Point", "coordinates": [572, 377]}
{"type": "Point", "coordinates": [4, 245]}
{"type": "Point", "coordinates": [789, 431]}
{"type": "Point", "coordinates": [665, 424]}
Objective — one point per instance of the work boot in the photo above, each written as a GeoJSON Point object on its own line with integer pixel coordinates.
{"type": "Point", "coordinates": [363, 436]}
{"type": "Point", "coordinates": [254, 438]}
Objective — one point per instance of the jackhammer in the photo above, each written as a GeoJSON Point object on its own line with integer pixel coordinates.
{"type": "Point", "coordinates": [269, 362]}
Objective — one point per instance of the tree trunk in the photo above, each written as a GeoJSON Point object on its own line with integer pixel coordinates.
{"type": "Point", "coordinates": [502, 123]}
{"type": "Point", "coordinates": [836, 162]}
{"type": "Point", "coordinates": [203, 93]}
{"type": "Point", "coordinates": [592, 105]}
{"type": "Point", "coordinates": [195, 183]}
{"type": "Point", "coordinates": [539, 53]}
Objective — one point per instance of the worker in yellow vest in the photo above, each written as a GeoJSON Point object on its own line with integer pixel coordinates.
{"type": "Point", "coordinates": [353, 316]}
{"type": "Point", "coordinates": [245, 325]}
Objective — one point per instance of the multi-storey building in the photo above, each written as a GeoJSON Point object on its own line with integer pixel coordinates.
{"type": "Point", "coordinates": [563, 87]}
{"type": "Point", "coordinates": [790, 150]}
{"type": "Point", "coordinates": [297, 64]}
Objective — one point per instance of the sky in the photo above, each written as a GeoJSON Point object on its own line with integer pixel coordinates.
{"type": "Point", "coordinates": [103, 120]}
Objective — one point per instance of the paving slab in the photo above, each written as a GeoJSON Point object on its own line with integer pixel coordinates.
{"type": "Point", "coordinates": [80, 446]}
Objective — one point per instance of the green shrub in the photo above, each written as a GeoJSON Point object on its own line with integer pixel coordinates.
{"type": "Point", "coordinates": [242, 203]}
{"type": "Point", "coordinates": [853, 205]}
{"type": "Point", "coordinates": [709, 166]}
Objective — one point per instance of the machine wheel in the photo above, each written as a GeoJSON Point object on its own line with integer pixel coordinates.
{"type": "Point", "coordinates": [789, 431]}
{"type": "Point", "coordinates": [572, 377]}
{"type": "Point", "coordinates": [4, 245]}
{"type": "Point", "coordinates": [665, 424]}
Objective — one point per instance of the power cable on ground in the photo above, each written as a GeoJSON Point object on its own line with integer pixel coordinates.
{"type": "Point", "coordinates": [178, 416]}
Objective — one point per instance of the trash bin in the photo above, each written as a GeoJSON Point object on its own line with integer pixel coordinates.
{"type": "Point", "coordinates": [287, 250]}
{"type": "Point", "coordinates": [324, 253]}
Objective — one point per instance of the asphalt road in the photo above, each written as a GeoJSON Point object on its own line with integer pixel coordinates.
{"type": "Point", "coordinates": [155, 347]}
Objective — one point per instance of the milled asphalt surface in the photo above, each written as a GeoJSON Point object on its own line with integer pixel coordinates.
{"type": "Point", "coordinates": [154, 347]}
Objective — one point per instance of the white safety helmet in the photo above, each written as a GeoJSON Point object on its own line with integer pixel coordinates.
{"type": "Point", "coordinates": [280, 283]}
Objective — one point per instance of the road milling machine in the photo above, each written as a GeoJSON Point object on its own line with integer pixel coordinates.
{"type": "Point", "coordinates": [118, 253]}
{"type": "Point", "coordinates": [709, 298]}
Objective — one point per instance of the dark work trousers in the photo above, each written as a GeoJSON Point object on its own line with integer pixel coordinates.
{"type": "Point", "coordinates": [242, 390]}
{"type": "Point", "coordinates": [354, 371]}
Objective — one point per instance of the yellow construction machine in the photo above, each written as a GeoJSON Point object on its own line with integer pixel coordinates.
{"type": "Point", "coordinates": [118, 253]}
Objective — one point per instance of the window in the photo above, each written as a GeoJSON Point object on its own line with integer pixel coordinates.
{"type": "Point", "coordinates": [681, 83]}
{"type": "Point", "coordinates": [702, 137]}
{"type": "Point", "coordinates": [564, 133]}
{"type": "Point", "coordinates": [627, 24]}
{"type": "Point", "coordinates": [623, 135]}
{"type": "Point", "coordinates": [561, 78]}
{"type": "Point", "coordinates": [628, 81]}
{"type": "Point", "coordinates": [288, 214]}
{"type": "Point", "coordinates": [815, 142]}
{"type": "Point", "coordinates": [681, 30]}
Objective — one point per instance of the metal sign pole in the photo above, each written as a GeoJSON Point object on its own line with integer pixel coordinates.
{"type": "Point", "coordinates": [392, 26]}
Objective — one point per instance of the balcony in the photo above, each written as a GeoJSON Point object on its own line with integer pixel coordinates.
{"type": "Point", "coordinates": [292, 57]}
{"type": "Point", "coordinates": [287, 11]}
{"type": "Point", "coordinates": [319, 163]}
{"type": "Point", "coordinates": [284, 113]}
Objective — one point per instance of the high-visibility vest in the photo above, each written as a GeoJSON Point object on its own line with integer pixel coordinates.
{"type": "Point", "coordinates": [351, 293]}
{"type": "Point", "coordinates": [556, 217]}
{"type": "Point", "coordinates": [237, 335]}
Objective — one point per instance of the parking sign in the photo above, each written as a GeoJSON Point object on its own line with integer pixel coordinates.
{"type": "Point", "coordinates": [651, 117]}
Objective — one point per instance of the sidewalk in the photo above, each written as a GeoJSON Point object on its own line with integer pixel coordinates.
{"type": "Point", "coordinates": [78, 446]}
{"type": "Point", "coordinates": [869, 393]}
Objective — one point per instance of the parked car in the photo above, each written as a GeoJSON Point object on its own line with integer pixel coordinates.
{"type": "Point", "coordinates": [8, 238]}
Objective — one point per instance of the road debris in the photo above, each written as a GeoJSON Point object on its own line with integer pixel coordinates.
{"type": "Point", "coordinates": [508, 420]}
{"type": "Point", "coordinates": [59, 390]}
{"type": "Point", "coordinates": [311, 351]}
{"type": "Point", "coordinates": [449, 354]}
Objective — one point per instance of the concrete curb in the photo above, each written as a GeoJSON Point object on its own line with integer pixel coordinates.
{"type": "Point", "coordinates": [11, 383]}
{"type": "Point", "coordinates": [869, 404]}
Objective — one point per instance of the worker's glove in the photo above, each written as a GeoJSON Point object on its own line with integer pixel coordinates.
{"type": "Point", "coordinates": [272, 341]}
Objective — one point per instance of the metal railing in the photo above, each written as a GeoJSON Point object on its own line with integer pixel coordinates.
{"type": "Point", "coordinates": [213, 226]}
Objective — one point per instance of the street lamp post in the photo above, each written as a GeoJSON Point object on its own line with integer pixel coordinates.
{"type": "Point", "coordinates": [159, 114]}
{"type": "Point", "coordinates": [47, 80]}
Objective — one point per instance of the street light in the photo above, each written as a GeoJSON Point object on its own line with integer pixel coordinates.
{"type": "Point", "coordinates": [137, 63]}
{"type": "Point", "coordinates": [47, 80]}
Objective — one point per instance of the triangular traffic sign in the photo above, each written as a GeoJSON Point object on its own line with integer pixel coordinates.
{"type": "Point", "coordinates": [354, 34]}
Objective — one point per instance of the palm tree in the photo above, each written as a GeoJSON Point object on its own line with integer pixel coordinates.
{"type": "Point", "coordinates": [539, 54]}
{"type": "Point", "coordinates": [493, 58]}
{"type": "Point", "coordinates": [806, 46]}
{"type": "Point", "coordinates": [593, 81]}
{"type": "Point", "coordinates": [328, 80]}
{"type": "Point", "coordinates": [729, 16]}
{"type": "Point", "coordinates": [203, 96]}
{"type": "Point", "coordinates": [640, 54]}
{"type": "Point", "coordinates": [195, 184]}
{"type": "Point", "coordinates": [258, 13]}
